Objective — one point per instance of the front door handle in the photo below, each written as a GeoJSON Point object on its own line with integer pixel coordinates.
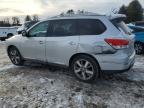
{"type": "Point", "coordinates": [41, 42]}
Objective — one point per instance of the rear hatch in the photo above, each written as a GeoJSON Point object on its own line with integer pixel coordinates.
{"type": "Point", "coordinates": [118, 22]}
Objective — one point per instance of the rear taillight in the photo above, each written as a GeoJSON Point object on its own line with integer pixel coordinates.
{"type": "Point", "coordinates": [118, 43]}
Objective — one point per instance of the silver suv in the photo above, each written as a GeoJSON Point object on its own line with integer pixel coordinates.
{"type": "Point", "coordinates": [88, 44]}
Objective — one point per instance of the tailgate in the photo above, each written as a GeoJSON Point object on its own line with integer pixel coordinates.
{"type": "Point", "coordinates": [118, 22]}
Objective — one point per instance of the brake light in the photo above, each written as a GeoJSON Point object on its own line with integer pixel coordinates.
{"type": "Point", "coordinates": [118, 43]}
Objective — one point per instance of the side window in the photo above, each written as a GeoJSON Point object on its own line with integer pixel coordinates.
{"type": "Point", "coordinates": [63, 28]}
{"type": "Point", "coordinates": [91, 27]}
{"type": "Point", "coordinates": [39, 30]}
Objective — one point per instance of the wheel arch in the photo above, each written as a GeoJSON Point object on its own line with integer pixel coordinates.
{"type": "Point", "coordinates": [79, 54]}
{"type": "Point", "coordinates": [10, 46]}
{"type": "Point", "coordinates": [10, 34]}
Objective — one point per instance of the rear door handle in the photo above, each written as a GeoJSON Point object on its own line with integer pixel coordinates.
{"type": "Point", "coordinates": [72, 43]}
{"type": "Point", "coordinates": [41, 42]}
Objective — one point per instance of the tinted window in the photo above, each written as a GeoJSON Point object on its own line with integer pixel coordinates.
{"type": "Point", "coordinates": [137, 29]}
{"type": "Point", "coordinates": [63, 28]}
{"type": "Point", "coordinates": [39, 30]}
{"type": "Point", "coordinates": [91, 27]}
{"type": "Point", "coordinates": [29, 24]}
{"type": "Point", "coordinates": [140, 24]}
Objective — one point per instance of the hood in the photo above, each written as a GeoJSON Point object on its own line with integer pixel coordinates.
{"type": "Point", "coordinates": [21, 28]}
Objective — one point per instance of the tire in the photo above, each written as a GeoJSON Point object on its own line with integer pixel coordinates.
{"type": "Point", "coordinates": [15, 56]}
{"type": "Point", "coordinates": [139, 48]}
{"type": "Point", "coordinates": [85, 68]}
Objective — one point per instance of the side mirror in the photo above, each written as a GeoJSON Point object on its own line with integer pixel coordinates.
{"type": "Point", "coordinates": [24, 33]}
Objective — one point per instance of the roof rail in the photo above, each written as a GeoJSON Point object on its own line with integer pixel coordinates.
{"type": "Point", "coordinates": [77, 14]}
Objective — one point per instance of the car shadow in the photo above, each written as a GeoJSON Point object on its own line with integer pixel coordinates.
{"type": "Point", "coordinates": [45, 70]}
{"type": "Point", "coordinates": [66, 71]}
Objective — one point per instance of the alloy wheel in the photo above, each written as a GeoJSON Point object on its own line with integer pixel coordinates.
{"type": "Point", "coordinates": [83, 69]}
{"type": "Point", "coordinates": [138, 48]}
{"type": "Point", "coordinates": [14, 56]}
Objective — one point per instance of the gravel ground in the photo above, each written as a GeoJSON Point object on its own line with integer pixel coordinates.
{"type": "Point", "coordinates": [41, 86]}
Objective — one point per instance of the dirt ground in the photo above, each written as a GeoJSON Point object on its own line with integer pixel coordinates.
{"type": "Point", "coordinates": [41, 86]}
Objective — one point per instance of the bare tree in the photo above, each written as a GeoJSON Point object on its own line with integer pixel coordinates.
{"type": "Point", "coordinates": [80, 11]}
{"type": "Point", "coordinates": [5, 22]}
{"type": "Point", "coordinates": [35, 17]}
{"type": "Point", "coordinates": [15, 21]}
{"type": "Point", "coordinates": [28, 18]}
{"type": "Point", "coordinates": [71, 11]}
{"type": "Point", "coordinates": [62, 14]}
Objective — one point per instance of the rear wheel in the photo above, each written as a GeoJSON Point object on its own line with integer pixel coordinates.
{"type": "Point", "coordinates": [15, 56]}
{"type": "Point", "coordinates": [139, 48]}
{"type": "Point", "coordinates": [85, 68]}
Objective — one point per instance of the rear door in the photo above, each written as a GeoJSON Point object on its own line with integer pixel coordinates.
{"type": "Point", "coordinates": [61, 41]}
{"type": "Point", "coordinates": [92, 34]}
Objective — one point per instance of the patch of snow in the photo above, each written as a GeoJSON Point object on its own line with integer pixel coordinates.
{"type": "Point", "coordinates": [16, 78]}
{"type": "Point", "coordinates": [6, 67]}
{"type": "Point", "coordinates": [38, 87]}
{"type": "Point", "coordinates": [79, 99]}
{"type": "Point", "coordinates": [139, 64]}
{"type": "Point", "coordinates": [136, 76]}
{"type": "Point", "coordinates": [2, 43]}
{"type": "Point", "coordinates": [51, 80]}
{"type": "Point", "coordinates": [42, 80]}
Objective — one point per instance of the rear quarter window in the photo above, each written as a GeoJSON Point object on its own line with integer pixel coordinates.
{"type": "Point", "coordinates": [90, 27]}
{"type": "Point", "coordinates": [121, 26]}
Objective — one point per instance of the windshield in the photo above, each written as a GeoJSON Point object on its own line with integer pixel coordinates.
{"type": "Point", "coordinates": [29, 24]}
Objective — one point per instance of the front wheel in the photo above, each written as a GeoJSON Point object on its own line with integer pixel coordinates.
{"type": "Point", "coordinates": [15, 56]}
{"type": "Point", "coordinates": [139, 48]}
{"type": "Point", "coordinates": [85, 68]}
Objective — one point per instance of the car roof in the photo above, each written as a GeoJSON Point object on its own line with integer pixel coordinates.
{"type": "Point", "coordinates": [85, 15]}
{"type": "Point", "coordinates": [76, 16]}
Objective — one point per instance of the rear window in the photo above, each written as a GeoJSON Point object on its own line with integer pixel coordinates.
{"type": "Point", "coordinates": [91, 27]}
{"type": "Point", "coordinates": [120, 24]}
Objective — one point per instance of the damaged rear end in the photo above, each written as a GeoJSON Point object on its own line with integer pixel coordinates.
{"type": "Point", "coordinates": [113, 48]}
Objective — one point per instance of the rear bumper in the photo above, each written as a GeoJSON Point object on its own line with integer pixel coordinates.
{"type": "Point", "coordinates": [116, 63]}
{"type": "Point", "coordinates": [119, 71]}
